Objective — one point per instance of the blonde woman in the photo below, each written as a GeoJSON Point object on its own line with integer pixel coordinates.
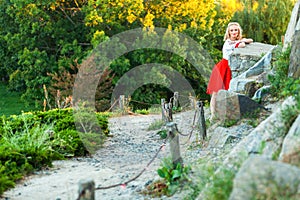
{"type": "Point", "coordinates": [221, 73]}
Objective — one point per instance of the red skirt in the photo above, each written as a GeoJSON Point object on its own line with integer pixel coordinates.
{"type": "Point", "coordinates": [220, 77]}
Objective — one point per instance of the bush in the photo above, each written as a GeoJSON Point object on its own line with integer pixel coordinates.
{"type": "Point", "coordinates": [33, 140]}
{"type": "Point", "coordinates": [282, 85]}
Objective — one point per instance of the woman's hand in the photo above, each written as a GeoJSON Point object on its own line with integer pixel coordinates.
{"type": "Point", "coordinates": [241, 44]}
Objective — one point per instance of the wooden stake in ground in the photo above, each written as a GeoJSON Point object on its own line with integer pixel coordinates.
{"type": "Point", "coordinates": [174, 143]}
{"type": "Point", "coordinates": [86, 190]}
{"type": "Point", "coordinates": [202, 125]}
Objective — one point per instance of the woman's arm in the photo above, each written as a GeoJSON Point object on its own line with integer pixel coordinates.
{"type": "Point", "coordinates": [247, 40]}
{"type": "Point", "coordinates": [241, 44]}
{"type": "Point", "coordinates": [244, 41]}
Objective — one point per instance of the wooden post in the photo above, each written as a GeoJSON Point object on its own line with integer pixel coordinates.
{"type": "Point", "coordinates": [175, 100]}
{"type": "Point", "coordinates": [86, 190]}
{"type": "Point", "coordinates": [122, 102]}
{"type": "Point", "coordinates": [174, 143]}
{"type": "Point", "coordinates": [163, 116]}
{"type": "Point", "coordinates": [170, 114]}
{"type": "Point", "coordinates": [192, 102]}
{"type": "Point", "coordinates": [202, 125]}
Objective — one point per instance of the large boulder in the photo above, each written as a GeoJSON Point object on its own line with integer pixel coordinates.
{"type": "Point", "coordinates": [233, 106]}
{"type": "Point", "coordinates": [290, 152]}
{"type": "Point", "coordinates": [250, 66]}
{"type": "Point", "coordinates": [242, 59]}
{"type": "Point", "coordinates": [260, 178]}
{"type": "Point", "coordinates": [266, 139]}
{"type": "Point", "coordinates": [294, 68]}
{"type": "Point", "coordinates": [293, 25]}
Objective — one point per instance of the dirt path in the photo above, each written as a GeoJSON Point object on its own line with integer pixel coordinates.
{"type": "Point", "coordinates": [124, 155]}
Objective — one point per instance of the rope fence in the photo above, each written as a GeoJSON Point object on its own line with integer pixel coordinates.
{"type": "Point", "coordinates": [87, 187]}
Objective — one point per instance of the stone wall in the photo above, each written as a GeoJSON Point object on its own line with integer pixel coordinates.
{"type": "Point", "coordinates": [250, 66]}
{"type": "Point", "coordinates": [243, 59]}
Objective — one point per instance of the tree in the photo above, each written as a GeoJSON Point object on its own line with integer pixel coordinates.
{"type": "Point", "coordinates": [265, 20]}
{"type": "Point", "coordinates": [48, 37]}
{"type": "Point", "coordinates": [39, 38]}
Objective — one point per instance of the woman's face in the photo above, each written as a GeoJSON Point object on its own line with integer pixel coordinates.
{"type": "Point", "coordinates": [234, 32]}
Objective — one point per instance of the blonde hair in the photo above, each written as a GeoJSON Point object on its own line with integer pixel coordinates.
{"type": "Point", "coordinates": [227, 33]}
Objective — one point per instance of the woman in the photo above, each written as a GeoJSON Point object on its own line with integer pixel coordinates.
{"type": "Point", "coordinates": [221, 73]}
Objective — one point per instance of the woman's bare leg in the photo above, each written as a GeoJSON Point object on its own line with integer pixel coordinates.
{"type": "Point", "coordinates": [213, 105]}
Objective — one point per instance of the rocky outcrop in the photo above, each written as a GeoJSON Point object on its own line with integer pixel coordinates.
{"type": "Point", "coordinates": [267, 140]}
{"type": "Point", "coordinates": [294, 67]}
{"type": "Point", "coordinates": [250, 66]}
{"type": "Point", "coordinates": [292, 38]}
{"type": "Point", "coordinates": [243, 59]}
{"type": "Point", "coordinates": [290, 152]}
{"type": "Point", "coordinates": [293, 25]}
{"type": "Point", "coordinates": [260, 178]}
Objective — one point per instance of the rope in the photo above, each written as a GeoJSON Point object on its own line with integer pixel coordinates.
{"type": "Point", "coordinates": [193, 128]}
{"type": "Point", "coordinates": [140, 102]}
{"type": "Point", "coordinates": [113, 105]}
{"type": "Point", "coordinates": [157, 152]}
{"type": "Point", "coordinates": [201, 99]}
{"type": "Point", "coordinates": [139, 174]}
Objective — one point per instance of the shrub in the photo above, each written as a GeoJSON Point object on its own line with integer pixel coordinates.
{"type": "Point", "coordinates": [173, 178]}
{"type": "Point", "coordinates": [33, 140]}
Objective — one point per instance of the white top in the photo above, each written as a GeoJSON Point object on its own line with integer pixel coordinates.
{"type": "Point", "coordinates": [228, 48]}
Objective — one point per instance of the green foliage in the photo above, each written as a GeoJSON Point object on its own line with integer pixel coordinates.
{"type": "Point", "coordinates": [157, 124]}
{"type": "Point", "coordinates": [62, 85]}
{"type": "Point", "coordinates": [230, 122]}
{"type": "Point", "coordinates": [40, 41]}
{"type": "Point", "coordinates": [214, 180]}
{"type": "Point", "coordinates": [12, 104]}
{"type": "Point", "coordinates": [163, 134]}
{"type": "Point", "coordinates": [5, 180]}
{"type": "Point", "coordinates": [281, 66]}
{"type": "Point", "coordinates": [282, 85]}
{"type": "Point", "coordinates": [173, 175]}
{"type": "Point", "coordinates": [155, 109]}
{"type": "Point", "coordinates": [222, 184]}
{"type": "Point", "coordinates": [262, 146]}
{"type": "Point", "coordinates": [37, 38]}
{"type": "Point", "coordinates": [142, 112]}
{"type": "Point", "coordinates": [23, 151]}
{"type": "Point", "coordinates": [276, 154]}
{"type": "Point", "coordinates": [33, 140]}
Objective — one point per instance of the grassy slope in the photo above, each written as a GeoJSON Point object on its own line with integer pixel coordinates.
{"type": "Point", "coordinates": [10, 102]}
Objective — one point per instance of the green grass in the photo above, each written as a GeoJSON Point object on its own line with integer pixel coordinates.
{"type": "Point", "coordinates": [32, 140]}
{"type": "Point", "coordinates": [11, 103]}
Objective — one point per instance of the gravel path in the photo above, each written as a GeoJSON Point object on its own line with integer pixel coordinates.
{"type": "Point", "coordinates": [124, 155]}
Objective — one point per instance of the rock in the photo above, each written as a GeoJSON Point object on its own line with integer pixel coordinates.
{"type": "Point", "coordinates": [227, 106]}
{"type": "Point", "coordinates": [239, 64]}
{"type": "Point", "coordinates": [220, 137]}
{"type": "Point", "coordinates": [241, 85]}
{"type": "Point", "coordinates": [232, 106]}
{"type": "Point", "coordinates": [247, 105]}
{"type": "Point", "coordinates": [260, 178]}
{"type": "Point", "coordinates": [268, 136]}
{"type": "Point", "coordinates": [294, 67]}
{"type": "Point", "coordinates": [293, 25]}
{"type": "Point", "coordinates": [290, 152]}
{"type": "Point", "coordinates": [261, 92]}
{"type": "Point", "coordinates": [242, 59]}
{"type": "Point", "coordinates": [250, 76]}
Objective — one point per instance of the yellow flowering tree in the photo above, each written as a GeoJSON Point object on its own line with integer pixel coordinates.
{"type": "Point", "coordinates": [269, 19]}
